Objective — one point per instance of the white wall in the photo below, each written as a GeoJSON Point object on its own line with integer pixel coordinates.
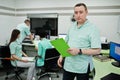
{"type": "Point", "coordinates": [6, 26]}
{"type": "Point", "coordinates": [64, 23]}
{"type": "Point", "coordinates": [7, 19]}
{"type": "Point", "coordinates": [63, 3]}
{"type": "Point", "coordinates": [8, 3]}
{"type": "Point", "coordinates": [106, 23]}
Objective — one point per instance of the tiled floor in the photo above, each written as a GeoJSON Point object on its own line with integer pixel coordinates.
{"type": "Point", "coordinates": [24, 75]}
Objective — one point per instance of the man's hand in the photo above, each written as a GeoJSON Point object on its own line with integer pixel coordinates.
{"type": "Point", "coordinates": [73, 51]}
{"type": "Point", "coordinates": [59, 62]}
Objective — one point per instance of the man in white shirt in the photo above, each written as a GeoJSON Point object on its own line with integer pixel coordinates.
{"type": "Point", "coordinates": [24, 30]}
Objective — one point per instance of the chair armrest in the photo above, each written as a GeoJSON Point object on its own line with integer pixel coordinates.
{"type": "Point", "coordinates": [52, 58]}
{"type": "Point", "coordinates": [9, 59]}
{"type": "Point", "coordinates": [6, 58]}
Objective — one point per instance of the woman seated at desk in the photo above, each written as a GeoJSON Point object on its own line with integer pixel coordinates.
{"type": "Point", "coordinates": [42, 46]}
{"type": "Point", "coordinates": [16, 54]}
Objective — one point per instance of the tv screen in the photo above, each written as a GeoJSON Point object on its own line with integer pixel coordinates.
{"type": "Point", "coordinates": [49, 25]}
{"type": "Point", "coordinates": [115, 51]}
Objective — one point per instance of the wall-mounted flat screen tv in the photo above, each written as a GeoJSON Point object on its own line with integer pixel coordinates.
{"type": "Point", "coordinates": [49, 25]}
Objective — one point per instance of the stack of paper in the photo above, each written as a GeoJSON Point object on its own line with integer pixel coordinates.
{"type": "Point", "coordinates": [29, 58]}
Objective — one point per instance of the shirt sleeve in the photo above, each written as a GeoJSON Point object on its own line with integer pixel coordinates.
{"type": "Point", "coordinates": [95, 38]}
{"type": "Point", "coordinates": [27, 31]}
{"type": "Point", "coordinates": [40, 49]}
{"type": "Point", "coordinates": [66, 38]}
{"type": "Point", "coordinates": [12, 48]}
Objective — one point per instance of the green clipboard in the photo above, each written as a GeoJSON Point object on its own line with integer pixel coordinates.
{"type": "Point", "coordinates": [61, 46]}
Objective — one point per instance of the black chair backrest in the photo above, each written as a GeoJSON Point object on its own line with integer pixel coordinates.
{"type": "Point", "coordinates": [51, 57]}
{"type": "Point", "coordinates": [5, 53]}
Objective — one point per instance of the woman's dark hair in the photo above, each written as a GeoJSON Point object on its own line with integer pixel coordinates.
{"type": "Point", "coordinates": [14, 35]}
{"type": "Point", "coordinates": [81, 4]}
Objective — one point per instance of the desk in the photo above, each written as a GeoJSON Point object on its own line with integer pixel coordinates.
{"type": "Point", "coordinates": [29, 49]}
{"type": "Point", "coordinates": [104, 68]}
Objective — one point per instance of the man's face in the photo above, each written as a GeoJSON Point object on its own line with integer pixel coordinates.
{"type": "Point", "coordinates": [80, 14]}
{"type": "Point", "coordinates": [28, 23]}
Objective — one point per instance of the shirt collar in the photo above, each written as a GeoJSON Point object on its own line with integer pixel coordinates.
{"type": "Point", "coordinates": [18, 41]}
{"type": "Point", "coordinates": [43, 38]}
{"type": "Point", "coordinates": [81, 25]}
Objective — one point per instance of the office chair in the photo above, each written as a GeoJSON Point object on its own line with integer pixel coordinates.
{"type": "Point", "coordinates": [6, 63]}
{"type": "Point", "coordinates": [50, 64]}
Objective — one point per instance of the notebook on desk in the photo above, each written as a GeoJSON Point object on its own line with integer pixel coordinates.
{"type": "Point", "coordinates": [29, 58]}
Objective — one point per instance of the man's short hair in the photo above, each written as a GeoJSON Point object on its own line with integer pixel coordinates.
{"type": "Point", "coordinates": [81, 4]}
{"type": "Point", "coordinates": [27, 21]}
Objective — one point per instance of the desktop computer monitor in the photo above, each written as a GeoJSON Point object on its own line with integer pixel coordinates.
{"type": "Point", "coordinates": [115, 53]}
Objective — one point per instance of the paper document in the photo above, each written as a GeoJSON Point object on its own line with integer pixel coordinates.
{"type": "Point", "coordinates": [29, 58]}
{"type": "Point", "coordinates": [61, 46]}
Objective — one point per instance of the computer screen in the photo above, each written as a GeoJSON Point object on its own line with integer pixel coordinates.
{"type": "Point", "coordinates": [105, 46]}
{"type": "Point", "coordinates": [115, 52]}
